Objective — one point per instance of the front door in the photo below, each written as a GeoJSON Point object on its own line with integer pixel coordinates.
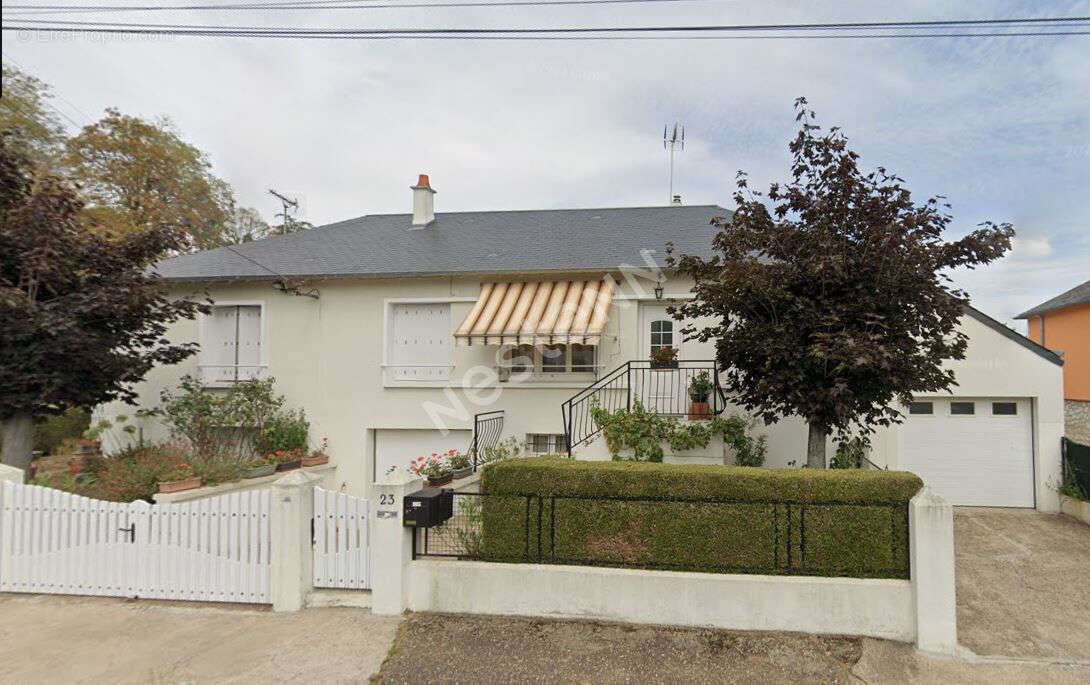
{"type": "Point", "coordinates": [662, 391]}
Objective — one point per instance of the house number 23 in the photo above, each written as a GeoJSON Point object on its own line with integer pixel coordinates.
{"type": "Point", "coordinates": [385, 499]}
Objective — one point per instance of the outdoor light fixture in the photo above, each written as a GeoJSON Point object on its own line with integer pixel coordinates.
{"type": "Point", "coordinates": [658, 291]}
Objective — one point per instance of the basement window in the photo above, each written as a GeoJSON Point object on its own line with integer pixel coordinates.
{"type": "Point", "coordinates": [1004, 408]}
{"type": "Point", "coordinates": [962, 408]}
{"type": "Point", "coordinates": [545, 443]}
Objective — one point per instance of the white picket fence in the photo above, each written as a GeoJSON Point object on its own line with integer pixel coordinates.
{"type": "Point", "coordinates": [215, 549]}
{"type": "Point", "coordinates": [341, 541]}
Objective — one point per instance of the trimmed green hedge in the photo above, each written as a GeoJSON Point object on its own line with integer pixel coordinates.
{"type": "Point", "coordinates": [776, 521]}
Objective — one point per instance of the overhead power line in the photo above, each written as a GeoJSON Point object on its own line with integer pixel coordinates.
{"type": "Point", "coordinates": [39, 10]}
{"type": "Point", "coordinates": [1038, 26]}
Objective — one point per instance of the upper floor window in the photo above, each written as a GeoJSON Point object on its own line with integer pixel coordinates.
{"type": "Point", "coordinates": [419, 342]}
{"type": "Point", "coordinates": [231, 344]}
{"type": "Point", "coordinates": [551, 359]}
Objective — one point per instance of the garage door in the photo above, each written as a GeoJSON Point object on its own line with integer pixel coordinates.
{"type": "Point", "coordinates": [395, 446]}
{"type": "Point", "coordinates": [972, 451]}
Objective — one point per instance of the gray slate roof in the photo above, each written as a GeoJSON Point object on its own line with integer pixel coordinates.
{"type": "Point", "coordinates": [1080, 294]}
{"type": "Point", "coordinates": [460, 242]}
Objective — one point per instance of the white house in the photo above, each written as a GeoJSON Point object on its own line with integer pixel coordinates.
{"type": "Point", "coordinates": [394, 331]}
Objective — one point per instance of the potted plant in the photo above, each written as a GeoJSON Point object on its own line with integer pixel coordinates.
{"type": "Point", "coordinates": [286, 460]}
{"type": "Point", "coordinates": [262, 466]}
{"type": "Point", "coordinates": [664, 358]}
{"type": "Point", "coordinates": [435, 468]}
{"type": "Point", "coordinates": [318, 456]}
{"type": "Point", "coordinates": [76, 465]}
{"type": "Point", "coordinates": [460, 463]}
{"type": "Point", "coordinates": [700, 387]}
{"type": "Point", "coordinates": [181, 477]}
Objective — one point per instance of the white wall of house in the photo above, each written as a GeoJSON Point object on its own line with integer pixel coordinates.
{"type": "Point", "coordinates": [336, 357]}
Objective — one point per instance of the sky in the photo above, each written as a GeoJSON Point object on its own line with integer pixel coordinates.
{"type": "Point", "coordinates": [999, 126]}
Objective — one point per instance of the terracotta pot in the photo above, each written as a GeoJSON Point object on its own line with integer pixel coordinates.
{"type": "Point", "coordinates": [289, 465]}
{"type": "Point", "coordinates": [258, 471]}
{"type": "Point", "coordinates": [699, 411]}
{"type": "Point", "coordinates": [441, 480]}
{"type": "Point", "coordinates": [179, 485]}
{"type": "Point", "coordinates": [76, 465]}
{"type": "Point", "coordinates": [315, 461]}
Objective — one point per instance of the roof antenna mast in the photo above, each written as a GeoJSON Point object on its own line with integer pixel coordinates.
{"type": "Point", "coordinates": [672, 141]}
{"type": "Point", "coordinates": [287, 204]}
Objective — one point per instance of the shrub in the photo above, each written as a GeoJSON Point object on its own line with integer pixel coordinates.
{"type": "Point", "coordinates": [854, 521]}
{"type": "Point", "coordinates": [226, 424]}
{"type": "Point", "coordinates": [645, 433]}
{"type": "Point", "coordinates": [850, 453]}
{"type": "Point", "coordinates": [53, 430]}
{"type": "Point", "coordinates": [135, 472]}
{"type": "Point", "coordinates": [284, 431]}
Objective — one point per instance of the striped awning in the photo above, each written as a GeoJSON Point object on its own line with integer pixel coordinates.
{"type": "Point", "coordinates": [538, 313]}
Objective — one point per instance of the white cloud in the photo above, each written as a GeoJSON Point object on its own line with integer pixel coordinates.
{"type": "Point", "coordinates": [1031, 247]}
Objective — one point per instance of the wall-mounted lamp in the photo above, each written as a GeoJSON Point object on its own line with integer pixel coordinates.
{"type": "Point", "coordinates": [658, 291]}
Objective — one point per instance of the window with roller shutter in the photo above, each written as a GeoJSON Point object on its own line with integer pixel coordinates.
{"type": "Point", "coordinates": [231, 344]}
{"type": "Point", "coordinates": [420, 342]}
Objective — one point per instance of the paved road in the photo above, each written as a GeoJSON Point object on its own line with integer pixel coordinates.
{"type": "Point", "coordinates": [50, 639]}
{"type": "Point", "coordinates": [1022, 583]}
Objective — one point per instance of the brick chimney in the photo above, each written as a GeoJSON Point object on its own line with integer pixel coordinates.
{"type": "Point", "coordinates": [423, 202]}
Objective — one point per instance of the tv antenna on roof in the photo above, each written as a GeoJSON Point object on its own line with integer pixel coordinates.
{"type": "Point", "coordinates": [673, 140]}
{"type": "Point", "coordinates": [287, 203]}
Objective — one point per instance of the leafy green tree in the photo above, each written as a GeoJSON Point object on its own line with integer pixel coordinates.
{"type": "Point", "coordinates": [33, 127]}
{"type": "Point", "coordinates": [137, 174]}
{"type": "Point", "coordinates": [81, 319]}
{"type": "Point", "coordinates": [829, 295]}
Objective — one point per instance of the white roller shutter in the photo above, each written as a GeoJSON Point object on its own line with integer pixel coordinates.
{"type": "Point", "coordinates": [420, 342]}
{"type": "Point", "coordinates": [249, 342]}
{"type": "Point", "coordinates": [983, 459]}
{"type": "Point", "coordinates": [231, 344]}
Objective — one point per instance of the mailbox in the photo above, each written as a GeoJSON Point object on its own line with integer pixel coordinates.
{"type": "Point", "coordinates": [428, 507]}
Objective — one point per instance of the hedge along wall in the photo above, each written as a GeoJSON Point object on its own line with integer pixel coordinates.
{"type": "Point", "coordinates": [733, 519]}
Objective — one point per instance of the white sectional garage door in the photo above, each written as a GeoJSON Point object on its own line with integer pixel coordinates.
{"type": "Point", "coordinates": [983, 458]}
{"type": "Point", "coordinates": [397, 447]}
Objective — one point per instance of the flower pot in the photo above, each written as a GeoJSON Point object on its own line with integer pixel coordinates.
{"type": "Point", "coordinates": [699, 411]}
{"type": "Point", "coordinates": [76, 465]}
{"type": "Point", "coordinates": [315, 461]}
{"type": "Point", "coordinates": [179, 485]}
{"type": "Point", "coordinates": [258, 471]}
{"type": "Point", "coordinates": [463, 473]}
{"type": "Point", "coordinates": [289, 465]}
{"type": "Point", "coordinates": [441, 480]}
{"type": "Point", "coordinates": [664, 365]}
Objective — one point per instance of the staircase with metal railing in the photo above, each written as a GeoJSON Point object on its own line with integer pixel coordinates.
{"type": "Point", "coordinates": [662, 390]}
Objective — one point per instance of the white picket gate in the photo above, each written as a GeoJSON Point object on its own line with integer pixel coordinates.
{"type": "Point", "coordinates": [342, 541]}
{"type": "Point", "coordinates": [214, 549]}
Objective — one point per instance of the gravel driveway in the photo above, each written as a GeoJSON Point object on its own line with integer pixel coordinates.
{"type": "Point", "coordinates": [1022, 588]}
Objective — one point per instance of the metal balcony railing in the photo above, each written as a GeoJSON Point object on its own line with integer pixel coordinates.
{"type": "Point", "coordinates": [662, 390]}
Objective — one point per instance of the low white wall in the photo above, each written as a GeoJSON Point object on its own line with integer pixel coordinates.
{"type": "Point", "coordinates": [11, 473]}
{"type": "Point", "coordinates": [326, 474]}
{"type": "Point", "coordinates": [1075, 508]}
{"type": "Point", "coordinates": [839, 606]}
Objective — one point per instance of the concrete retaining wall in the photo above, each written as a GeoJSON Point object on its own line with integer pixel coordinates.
{"type": "Point", "coordinates": [841, 606]}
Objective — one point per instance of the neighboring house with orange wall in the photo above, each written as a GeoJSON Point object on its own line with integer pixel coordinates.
{"type": "Point", "coordinates": [1062, 324]}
